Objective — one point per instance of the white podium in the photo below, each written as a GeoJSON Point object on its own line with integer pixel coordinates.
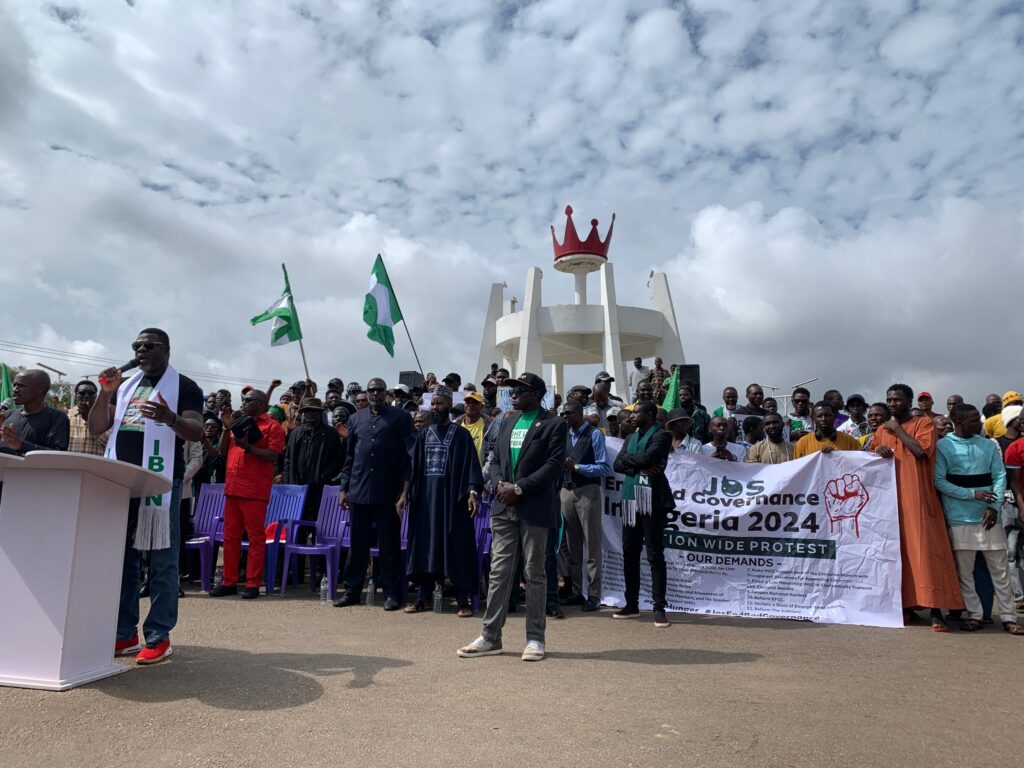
{"type": "Point", "coordinates": [62, 535]}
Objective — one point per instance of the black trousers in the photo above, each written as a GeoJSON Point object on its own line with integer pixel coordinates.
{"type": "Point", "coordinates": [362, 519]}
{"type": "Point", "coordinates": [649, 530]}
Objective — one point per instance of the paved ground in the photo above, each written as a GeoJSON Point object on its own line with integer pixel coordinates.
{"type": "Point", "coordinates": [294, 683]}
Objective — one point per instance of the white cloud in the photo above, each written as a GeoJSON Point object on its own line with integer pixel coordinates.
{"type": "Point", "coordinates": [157, 164]}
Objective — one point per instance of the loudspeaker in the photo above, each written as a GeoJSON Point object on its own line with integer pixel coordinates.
{"type": "Point", "coordinates": [691, 372]}
{"type": "Point", "coordinates": [411, 379]}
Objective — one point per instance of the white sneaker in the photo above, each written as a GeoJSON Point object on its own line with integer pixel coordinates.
{"type": "Point", "coordinates": [480, 647]}
{"type": "Point", "coordinates": [534, 651]}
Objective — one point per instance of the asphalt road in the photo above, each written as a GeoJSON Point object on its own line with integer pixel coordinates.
{"type": "Point", "coordinates": [291, 682]}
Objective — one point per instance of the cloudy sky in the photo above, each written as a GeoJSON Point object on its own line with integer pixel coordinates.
{"type": "Point", "coordinates": [834, 188]}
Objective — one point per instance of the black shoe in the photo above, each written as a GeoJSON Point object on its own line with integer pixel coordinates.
{"type": "Point", "coordinates": [346, 600]}
{"type": "Point", "coordinates": [391, 604]}
{"type": "Point", "coordinates": [661, 620]}
{"type": "Point", "coordinates": [555, 613]}
{"type": "Point", "coordinates": [592, 604]}
{"type": "Point", "coordinates": [223, 591]}
{"type": "Point", "coordinates": [251, 593]}
{"type": "Point", "coordinates": [574, 600]}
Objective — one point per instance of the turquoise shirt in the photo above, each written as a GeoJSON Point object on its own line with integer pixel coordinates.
{"type": "Point", "coordinates": [975, 456]}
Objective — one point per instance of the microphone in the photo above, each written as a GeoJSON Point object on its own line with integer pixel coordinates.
{"type": "Point", "coordinates": [6, 405]}
{"type": "Point", "coordinates": [133, 363]}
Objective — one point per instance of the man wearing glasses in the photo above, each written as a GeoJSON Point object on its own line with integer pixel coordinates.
{"type": "Point", "coordinates": [82, 440]}
{"type": "Point", "coordinates": [251, 461]}
{"type": "Point", "coordinates": [147, 414]}
{"type": "Point", "coordinates": [800, 421]}
{"type": "Point", "coordinates": [375, 486]}
{"type": "Point", "coordinates": [527, 471]}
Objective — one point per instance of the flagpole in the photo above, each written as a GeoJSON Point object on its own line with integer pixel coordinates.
{"type": "Point", "coordinates": [405, 322]}
{"type": "Point", "coordinates": [302, 349]}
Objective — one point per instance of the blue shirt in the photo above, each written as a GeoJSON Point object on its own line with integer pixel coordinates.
{"type": "Point", "coordinates": [377, 462]}
{"type": "Point", "coordinates": [975, 456]}
{"type": "Point", "coordinates": [601, 466]}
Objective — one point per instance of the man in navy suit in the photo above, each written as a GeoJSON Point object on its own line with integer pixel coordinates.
{"type": "Point", "coordinates": [527, 471]}
{"type": "Point", "coordinates": [375, 485]}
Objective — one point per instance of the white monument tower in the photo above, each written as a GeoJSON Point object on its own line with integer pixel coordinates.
{"type": "Point", "coordinates": [603, 334]}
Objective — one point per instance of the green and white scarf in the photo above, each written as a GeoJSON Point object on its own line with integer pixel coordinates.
{"type": "Point", "coordinates": [154, 527]}
{"type": "Point", "coordinates": [636, 490]}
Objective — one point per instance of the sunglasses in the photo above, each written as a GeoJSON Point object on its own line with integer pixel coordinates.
{"type": "Point", "coordinates": [522, 389]}
{"type": "Point", "coordinates": [149, 346]}
{"type": "Point", "coordinates": [375, 390]}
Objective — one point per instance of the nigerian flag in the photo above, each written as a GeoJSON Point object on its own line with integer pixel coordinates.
{"type": "Point", "coordinates": [6, 390]}
{"type": "Point", "coordinates": [671, 401]}
{"type": "Point", "coordinates": [380, 310]}
{"type": "Point", "coordinates": [286, 319]}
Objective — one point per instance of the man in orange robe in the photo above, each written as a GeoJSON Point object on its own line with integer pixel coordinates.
{"type": "Point", "coordinates": [929, 574]}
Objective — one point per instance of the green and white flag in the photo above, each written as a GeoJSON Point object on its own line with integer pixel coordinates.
{"type": "Point", "coordinates": [380, 310]}
{"type": "Point", "coordinates": [286, 319]}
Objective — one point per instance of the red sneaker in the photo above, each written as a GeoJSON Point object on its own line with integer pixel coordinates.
{"type": "Point", "coordinates": [127, 647]}
{"type": "Point", "coordinates": [154, 655]}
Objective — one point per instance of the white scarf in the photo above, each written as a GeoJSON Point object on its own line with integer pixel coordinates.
{"type": "Point", "coordinates": [158, 442]}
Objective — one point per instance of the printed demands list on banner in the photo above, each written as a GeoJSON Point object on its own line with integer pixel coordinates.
{"type": "Point", "coordinates": [811, 539]}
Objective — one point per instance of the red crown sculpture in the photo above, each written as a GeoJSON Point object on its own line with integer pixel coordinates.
{"type": "Point", "coordinates": [572, 243]}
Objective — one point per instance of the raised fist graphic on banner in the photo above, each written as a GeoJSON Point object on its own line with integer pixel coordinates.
{"type": "Point", "coordinates": [845, 497]}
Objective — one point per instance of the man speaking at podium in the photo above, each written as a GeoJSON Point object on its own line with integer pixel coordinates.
{"type": "Point", "coordinates": [149, 414]}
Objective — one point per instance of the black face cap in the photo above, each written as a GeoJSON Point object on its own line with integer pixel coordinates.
{"type": "Point", "coordinates": [534, 382]}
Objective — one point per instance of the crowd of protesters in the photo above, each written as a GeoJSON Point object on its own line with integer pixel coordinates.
{"type": "Point", "coordinates": [439, 451]}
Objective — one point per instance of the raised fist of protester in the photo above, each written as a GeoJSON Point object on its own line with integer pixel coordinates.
{"type": "Point", "coordinates": [845, 496]}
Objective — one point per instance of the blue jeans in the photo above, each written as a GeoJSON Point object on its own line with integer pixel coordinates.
{"type": "Point", "coordinates": [163, 580]}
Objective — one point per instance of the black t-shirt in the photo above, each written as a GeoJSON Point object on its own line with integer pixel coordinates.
{"type": "Point", "coordinates": [45, 430]}
{"type": "Point", "coordinates": [130, 435]}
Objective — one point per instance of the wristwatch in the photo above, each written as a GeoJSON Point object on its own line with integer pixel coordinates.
{"type": "Point", "coordinates": [518, 490]}
{"type": "Point", "coordinates": [472, 493]}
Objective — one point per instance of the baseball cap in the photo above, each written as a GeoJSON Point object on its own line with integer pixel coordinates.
{"type": "Point", "coordinates": [603, 376]}
{"type": "Point", "coordinates": [534, 382]}
{"type": "Point", "coordinates": [581, 388]}
{"type": "Point", "coordinates": [336, 385]}
{"type": "Point", "coordinates": [400, 388]}
{"type": "Point", "coordinates": [490, 380]}
{"type": "Point", "coordinates": [476, 397]}
{"type": "Point", "coordinates": [298, 385]}
{"type": "Point", "coordinates": [920, 395]}
{"type": "Point", "coordinates": [860, 398]}
{"type": "Point", "coordinates": [452, 377]}
{"type": "Point", "coordinates": [1010, 397]}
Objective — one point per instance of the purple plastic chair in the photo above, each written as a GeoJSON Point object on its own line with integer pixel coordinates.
{"type": "Point", "coordinates": [331, 523]}
{"type": "Point", "coordinates": [284, 507]}
{"type": "Point", "coordinates": [482, 525]}
{"type": "Point", "coordinates": [209, 518]}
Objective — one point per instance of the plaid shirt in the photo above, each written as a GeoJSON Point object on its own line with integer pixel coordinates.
{"type": "Point", "coordinates": [82, 441]}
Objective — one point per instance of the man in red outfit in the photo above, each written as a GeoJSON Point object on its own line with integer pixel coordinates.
{"type": "Point", "coordinates": [247, 482]}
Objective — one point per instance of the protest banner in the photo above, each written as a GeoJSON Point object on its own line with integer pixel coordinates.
{"type": "Point", "coordinates": [817, 538]}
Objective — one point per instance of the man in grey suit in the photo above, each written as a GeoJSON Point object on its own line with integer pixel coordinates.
{"type": "Point", "coordinates": [527, 471]}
